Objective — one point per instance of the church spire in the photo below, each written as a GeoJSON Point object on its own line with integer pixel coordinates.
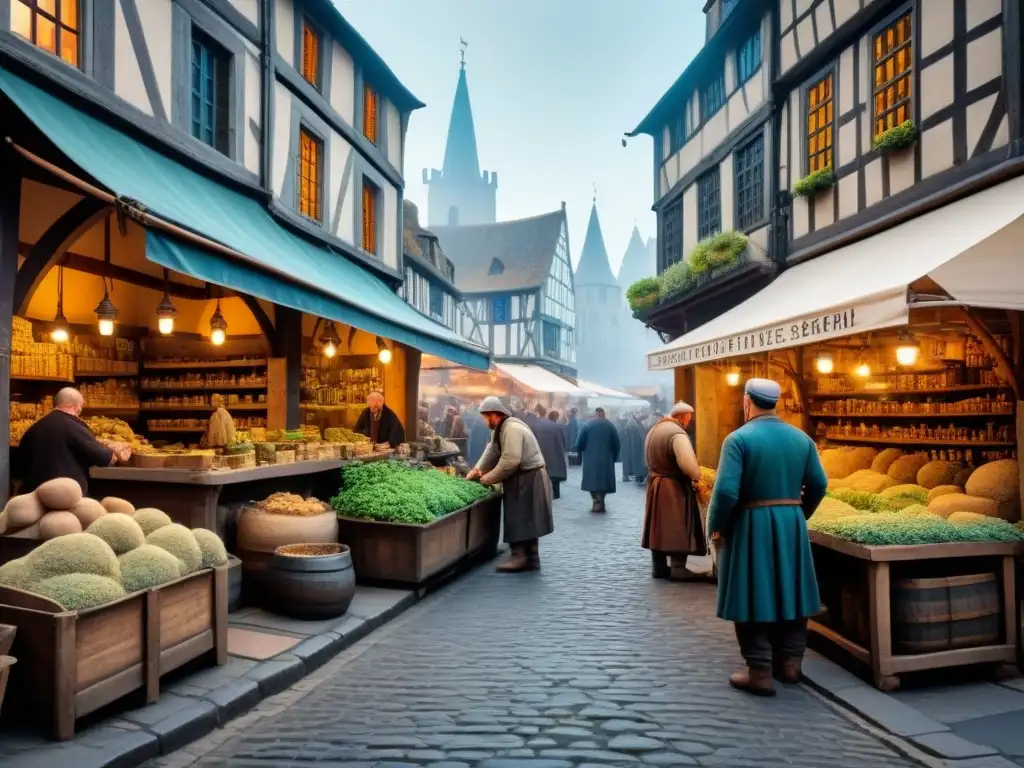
{"type": "Point", "coordinates": [593, 267]}
{"type": "Point", "coordinates": [460, 156]}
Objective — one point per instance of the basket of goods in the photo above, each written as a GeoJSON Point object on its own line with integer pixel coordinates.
{"type": "Point", "coordinates": [284, 457]}
{"type": "Point", "coordinates": [109, 430]}
{"type": "Point", "coordinates": [194, 459]}
{"type": "Point", "coordinates": [266, 453]}
{"type": "Point", "coordinates": [279, 520]}
{"type": "Point", "coordinates": [149, 460]}
{"type": "Point", "coordinates": [382, 448]}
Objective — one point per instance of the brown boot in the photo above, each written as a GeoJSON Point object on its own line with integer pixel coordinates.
{"type": "Point", "coordinates": [787, 670]}
{"type": "Point", "coordinates": [517, 561]}
{"type": "Point", "coordinates": [753, 680]}
{"type": "Point", "coordinates": [533, 552]}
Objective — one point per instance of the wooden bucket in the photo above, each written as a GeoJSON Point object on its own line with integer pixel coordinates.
{"type": "Point", "coordinates": [931, 615]}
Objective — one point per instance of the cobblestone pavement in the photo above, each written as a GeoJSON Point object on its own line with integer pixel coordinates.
{"type": "Point", "coordinates": [588, 663]}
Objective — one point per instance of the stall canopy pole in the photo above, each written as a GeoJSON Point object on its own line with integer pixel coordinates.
{"type": "Point", "coordinates": [10, 210]}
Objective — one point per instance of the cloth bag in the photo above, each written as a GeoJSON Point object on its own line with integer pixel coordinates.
{"type": "Point", "coordinates": [703, 565]}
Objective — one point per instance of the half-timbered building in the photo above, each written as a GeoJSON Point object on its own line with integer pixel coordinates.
{"type": "Point", "coordinates": [429, 283]}
{"type": "Point", "coordinates": [517, 286]}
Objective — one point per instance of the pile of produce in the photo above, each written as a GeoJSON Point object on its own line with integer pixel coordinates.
{"type": "Point", "coordinates": [55, 508]}
{"type": "Point", "coordinates": [116, 431]}
{"type": "Point", "coordinates": [987, 509]}
{"type": "Point", "coordinates": [705, 485]}
{"type": "Point", "coordinates": [287, 436]}
{"type": "Point", "coordinates": [292, 504]}
{"type": "Point", "coordinates": [121, 552]}
{"type": "Point", "coordinates": [392, 491]}
{"type": "Point", "coordinates": [344, 435]}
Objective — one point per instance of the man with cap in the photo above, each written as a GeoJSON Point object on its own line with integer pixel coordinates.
{"type": "Point", "coordinates": [769, 481]}
{"type": "Point", "coordinates": [514, 459]}
{"type": "Point", "coordinates": [672, 524]}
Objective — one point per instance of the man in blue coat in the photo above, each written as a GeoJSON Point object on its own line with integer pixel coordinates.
{"type": "Point", "coordinates": [769, 481]}
{"type": "Point", "coordinates": [598, 445]}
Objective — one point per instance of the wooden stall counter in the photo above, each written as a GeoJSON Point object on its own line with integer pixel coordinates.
{"type": "Point", "coordinates": [949, 605]}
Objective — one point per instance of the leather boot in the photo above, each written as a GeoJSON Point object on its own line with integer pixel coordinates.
{"type": "Point", "coordinates": [660, 568]}
{"type": "Point", "coordinates": [787, 670]}
{"type": "Point", "coordinates": [753, 680]}
{"type": "Point", "coordinates": [517, 561]}
{"type": "Point", "coordinates": [533, 553]}
{"type": "Point", "coordinates": [598, 505]}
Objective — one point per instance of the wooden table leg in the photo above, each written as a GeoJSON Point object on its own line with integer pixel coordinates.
{"type": "Point", "coordinates": [880, 618]}
{"type": "Point", "coordinates": [1010, 599]}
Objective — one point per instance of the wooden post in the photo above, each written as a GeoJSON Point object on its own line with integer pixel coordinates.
{"type": "Point", "coordinates": [413, 360]}
{"type": "Point", "coordinates": [151, 653]}
{"type": "Point", "coordinates": [220, 614]}
{"type": "Point", "coordinates": [288, 324]}
{"type": "Point", "coordinates": [10, 211]}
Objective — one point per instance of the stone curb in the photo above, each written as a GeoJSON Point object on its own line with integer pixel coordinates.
{"type": "Point", "coordinates": [899, 719]}
{"type": "Point", "coordinates": [191, 710]}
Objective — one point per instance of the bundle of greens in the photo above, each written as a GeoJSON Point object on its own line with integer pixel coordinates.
{"type": "Point", "coordinates": [394, 492]}
{"type": "Point", "coordinates": [894, 528]}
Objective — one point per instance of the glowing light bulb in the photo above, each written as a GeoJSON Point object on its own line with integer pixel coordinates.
{"type": "Point", "coordinates": [907, 354]}
{"type": "Point", "coordinates": [106, 327]}
{"type": "Point", "coordinates": [732, 378]}
{"type": "Point", "coordinates": [863, 370]}
{"type": "Point", "coordinates": [218, 336]}
{"type": "Point", "coordinates": [824, 363]}
{"type": "Point", "coordinates": [166, 325]}
{"type": "Point", "coordinates": [59, 335]}
{"type": "Point", "coordinates": [384, 355]}
{"type": "Point", "coordinates": [330, 350]}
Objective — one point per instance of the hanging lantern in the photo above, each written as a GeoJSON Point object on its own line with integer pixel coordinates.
{"type": "Point", "coordinates": [60, 332]}
{"type": "Point", "coordinates": [383, 353]}
{"type": "Point", "coordinates": [106, 313]}
{"type": "Point", "coordinates": [732, 378]}
{"type": "Point", "coordinates": [908, 351]}
{"type": "Point", "coordinates": [824, 363]}
{"type": "Point", "coordinates": [329, 340]}
{"type": "Point", "coordinates": [165, 312]}
{"type": "Point", "coordinates": [218, 327]}
{"type": "Point", "coordinates": [863, 370]}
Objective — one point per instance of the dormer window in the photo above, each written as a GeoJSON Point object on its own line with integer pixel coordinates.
{"type": "Point", "coordinates": [497, 268]}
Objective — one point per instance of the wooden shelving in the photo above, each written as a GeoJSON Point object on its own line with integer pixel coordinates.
{"type": "Point", "coordinates": [193, 430]}
{"type": "Point", "coordinates": [205, 365]}
{"type": "Point", "coordinates": [107, 374]}
{"type": "Point", "coordinates": [207, 388]}
{"type": "Point", "coordinates": [865, 416]}
{"type": "Point", "coordinates": [52, 379]}
{"type": "Point", "coordinates": [891, 392]}
{"type": "Point", "coordinates": [912, 441]}
{"type": "Point", "coordinates": [230, 407]}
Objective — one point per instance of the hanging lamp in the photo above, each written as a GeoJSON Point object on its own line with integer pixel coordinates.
{"type": "Point", "coordinates": [165, 311]}
{"type": "Point", "coordinates": [218, 327]}
{"type": "Point", "coordinates": [908, 350]}
{"type": "Point", "coordinates": [824, 363]}
{"type": "Point", "coordinates": [106, 312]}
{"type": "Point", "coordinates": [383, 353]}
{"type": "Point", "coordinates": [59, 330]}
{"type": "Point", "coordinates": [329, 340]}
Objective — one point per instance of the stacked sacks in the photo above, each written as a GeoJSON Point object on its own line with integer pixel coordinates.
{"type": "Point", "coordinates": [113, 558]}
{"type": "Point", "coordinates": [992, 490]}
{"type": "Point", "coordinates": [55, 508]}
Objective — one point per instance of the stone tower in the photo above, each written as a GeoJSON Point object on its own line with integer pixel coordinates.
{"type": "Point", "coordinates": [460, 193]}
{"type": "Point", "coordinates": [638, 262]}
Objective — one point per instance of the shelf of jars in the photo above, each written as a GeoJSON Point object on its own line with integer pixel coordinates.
{"type": "Point", "coordinates": [204, 364]}
{"type": "Point", "coordinates": [204, 382]}
{"type": "Point", "coordinates": [340, 383]}
{"type": "Point", "coordinates": [200, 425]}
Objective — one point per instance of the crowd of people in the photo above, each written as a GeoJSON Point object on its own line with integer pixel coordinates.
{"type": "Point", "coordinates": [769, 481]}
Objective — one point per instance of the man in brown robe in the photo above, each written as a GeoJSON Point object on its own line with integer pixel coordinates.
{"type": "Point", "coordinates": [672, 525]}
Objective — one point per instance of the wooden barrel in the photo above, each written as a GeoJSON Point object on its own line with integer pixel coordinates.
{"type": "Point", "coordinates": [931, 615]}
{"type": "Point", "coordinates": [854, 620]}
{"type": "Point", "coordinates": [312, 581]}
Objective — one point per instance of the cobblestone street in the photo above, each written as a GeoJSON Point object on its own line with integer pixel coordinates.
{"type": "Point", "coordinates": [588, 662]}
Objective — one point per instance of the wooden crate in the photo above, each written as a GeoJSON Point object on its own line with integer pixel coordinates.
{"type": "Point", "coordinates": [484, 527]}
{"type": "Point", "coordinates": [402, 553]}
{"type": "Point", "coordinates": [71, 663]}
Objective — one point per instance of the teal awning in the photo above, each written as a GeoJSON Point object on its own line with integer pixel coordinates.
{"type": "Point", "coordinates": [281, 267]}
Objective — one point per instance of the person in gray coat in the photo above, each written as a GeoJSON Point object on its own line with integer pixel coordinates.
{"type": "Point", "coordinates": [514, 459]}
{"type": "Point", "coordinates": [634, 466]}
{"type": "Point", "coordinates": [599, 446]}
{"type": "Point", "coordinates": [551, 439]}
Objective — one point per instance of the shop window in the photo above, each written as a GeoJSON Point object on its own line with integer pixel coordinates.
{"type": "Point", "coordinates": [436, 301]}
{"type": "Point", "coordinates": [748, 58]}
{"type": "Point", "coordinates": [893, 56]}
{"type": "Point", "coordinates": [709, 204]}
{"type": "Point", "coordinates": [50, 24]}
{"type": "Point", "coordinates": [712, 97]}
{"type": "Point", "coordinates": [371, 202]}
{"type": "Point", "coordinates": [672, 234]}
{"type": "Point", "coordinates": [551, 334]}
{"type": "Point", "coordinates": [819, 125]}
{"type": "Point", "coordinates": [210, 92]}
{"type": "Point", "coordinates": [370, 112]}
{"type": "Point", "coordinates": [500, 309]}
{"type": "Point", "coordinates": [311, 151]}
{"type": "Point", "coordinates": [749, 165]}
{"type": "Point", "coordinates": [310, 54]}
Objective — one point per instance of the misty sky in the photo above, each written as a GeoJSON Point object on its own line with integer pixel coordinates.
{"type": "Point", "coordinates": [554, 84]}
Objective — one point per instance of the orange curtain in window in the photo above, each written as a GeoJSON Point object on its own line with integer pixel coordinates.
{"type": "Point", "coordinates": [370, 113]}
{"type": "Point", "coordinates": [369, 218]}
{"type": "Point", "coordinates": [309, 176]}
{"type": "Point", "coordinates": [310, 54]}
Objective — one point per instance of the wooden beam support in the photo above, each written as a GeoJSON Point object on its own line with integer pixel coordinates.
{"type": "Point", "coordinates": [78, 263]}
{"type": "Point", "coordinates": [979, 329]}
{"type": "Point", "coordinates": [10, 214]}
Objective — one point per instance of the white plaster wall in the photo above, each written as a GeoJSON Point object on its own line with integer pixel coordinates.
{"type": "Point", "coordinates": [389, 253]}
{"type": "Point", "coordinates": [339, 153]}
{"type": "Point", "coordinates": [248, 8]}
{"type": "Point", "coordinates": [346, 222]}
{"type": "Point", "coordinates": [157, 27]}
{"type": "Point", "coordinates": [343, 84]}
{"type": "Point", "coordinates": [282, 136]}
{"type": "Point", "coordinates": [127, 75]}
{"type": "Point", "coordinates": [284, 29]}
{"type": "Point", "coordinates": [394, 148]}
{"type": "Point", "coordinates": [251, 155]}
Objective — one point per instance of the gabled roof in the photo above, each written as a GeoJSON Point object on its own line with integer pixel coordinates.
{"type": "Point", "coordinates": [638, 262]}
{"type": "Point", "coordinates": [413, 252]}
{"type": "Point", "coordinates": [524, 247]}
{"type": "Point", "coordinates": [593, 267]}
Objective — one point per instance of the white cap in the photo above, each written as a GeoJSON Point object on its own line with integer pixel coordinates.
{"type": "Point", "coordinates": [764, 393]}
{"type": "Point", "coordinates": [680, 408]}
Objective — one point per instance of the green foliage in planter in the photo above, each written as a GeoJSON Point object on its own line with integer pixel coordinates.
{"type": "Point", "coordinates": [643, 294]}
{"type": "Point", "coordinates": [721, 250]}
{"type": "Point", "coordinates": [816, 182]}
{"type": "Point", "coordinates": [898, 137]}
{"type": "Point", "coordinates": [676, 279]}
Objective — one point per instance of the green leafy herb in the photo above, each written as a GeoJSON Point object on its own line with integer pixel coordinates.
{"type": "Point", "coordinates": [816, 182]}
{"type": "Point", "coordinates": [898, 137]}
{"type": "Point", "coordinates": [888, 528]}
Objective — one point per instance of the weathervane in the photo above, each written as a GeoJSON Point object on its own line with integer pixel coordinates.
{"type": "Point", "coordinates": [463, 45]}
{"type": "Point", "coordinates": [595, 193]}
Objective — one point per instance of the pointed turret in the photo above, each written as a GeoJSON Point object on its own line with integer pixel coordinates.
{"type": "Point", "coordinates": [638, 262]}
{"type": "Point", "coordinates": [459, 194]}
{"type": "Point", "coordinates": [593, 267]}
